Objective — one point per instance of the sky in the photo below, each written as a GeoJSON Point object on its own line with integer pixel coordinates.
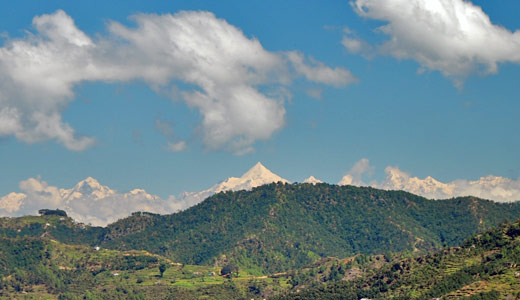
{"type": "Point", "coordinates": [173, 96]}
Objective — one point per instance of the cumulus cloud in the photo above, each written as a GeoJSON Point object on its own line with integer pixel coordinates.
{"type": "Point", "coordinates": [11, 203]}
{"type": "Point", "coordinates": [355, 175]}
{"type": "Point", "coordinates": [37, 75]}
{"type": "Point", "coordinates": [225, 69]}
{"type": "Point", "coordinates": [490, 187]}
{"type": "Point", "coordinates": [455, 37]}
{"type": "Point", "coordinates": [40, 194]}
{"type": "Point", "coordinates": [88, 201]}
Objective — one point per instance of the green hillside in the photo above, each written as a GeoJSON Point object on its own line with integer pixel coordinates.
{"type": "Point", "coordinates": [40, 268]}
{"type": "Point", "coordinates": [278, 227]}
{"type": "Point", "coordinates": [330, 241]}
{"type": "Point", "coordinates": [486, 266]}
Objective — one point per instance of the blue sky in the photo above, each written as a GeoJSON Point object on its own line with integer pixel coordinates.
{"type": "Point", "coordinates": [443, 122]}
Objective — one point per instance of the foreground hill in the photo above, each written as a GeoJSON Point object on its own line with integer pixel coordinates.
{"type": "Point", "coordinates": [486, 266]}
{"type": "Point", "coordinates": [41, 268]}
{"type": "Point", "coordinates": [278, 227]}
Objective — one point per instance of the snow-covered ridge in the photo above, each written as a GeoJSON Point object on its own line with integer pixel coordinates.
{"type": "Point", "coordinates": [312, 180]}
{"type": "Point", "coordinates": [91, 202]}
{"type": "Point", "coordinates": [88, 187]}
{"type": "Point", "coordinates": [256, 176]}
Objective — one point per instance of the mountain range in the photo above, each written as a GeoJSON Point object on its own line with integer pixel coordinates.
{"type": "Point", "coordinates": [256, 176]}
{"type": "Point", "coordinates": [271, 229]}
{"type": "Point", "coordinates": [281, 226]}
{"type": "Point", "coordinates": [93, 203]}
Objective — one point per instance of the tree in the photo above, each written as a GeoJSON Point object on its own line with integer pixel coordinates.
{"type": "Point", "coordinates": [162, 268]}
{"type": "Point", "coordinates": [228, 270]}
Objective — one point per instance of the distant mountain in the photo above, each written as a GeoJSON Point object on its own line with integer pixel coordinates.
{"type": "Point", "coordinates": [277, 227]}
{"type": "Point", "coordinates": [312, 180]}
{"type": "Point", "coordinates": [256, 176]}
{"type": "Point", "coordinates": [90, 202]}
{"type": "Point", "coordinates": [88, 188]}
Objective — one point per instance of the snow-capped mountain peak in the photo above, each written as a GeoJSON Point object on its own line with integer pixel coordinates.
{"type": "Point", "coordinates": [260, 172]}
{"type": "Point", "coordinates": [88, 187]}
{"type": "Point", "coordinates": [313, 180]}
{"type": "Point", "coordinates": [256, 176]}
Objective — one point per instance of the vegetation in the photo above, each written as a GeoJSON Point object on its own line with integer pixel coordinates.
{"type": "Point", "coordinates": [41, 268]}
{"type": "Point", "coordinates": [486, 266]}
{"type": "Point", "coordinates": [280, 227]}
{"type": "Point", "coordinates": [50, 212]}
{"type": "Point", "coordinates": [325, 241]}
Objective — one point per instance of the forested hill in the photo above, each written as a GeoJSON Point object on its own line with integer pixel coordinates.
{"type": "Point", "coordinates": [486, 266]}
{"type": "Point", "coordinates": [278, 227]}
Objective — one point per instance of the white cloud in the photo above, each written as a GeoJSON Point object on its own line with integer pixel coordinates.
{"type": "Point", "coordinates": [90, 202]}
{"type": "Point", "coordinates": [176, 146]}
{"type": "Point", "coordinates": [225, 68]}
{"type": "Point", "coordinates": [37, 75]}
{"type": "Point", "coordinates": [356, 45]}
{"type": "Point", "coordinates": [318, 72]}
{"type": "Point", "coordinates": [39, 195]}
{"type": "Point", "coordinates": [454, 37]}
{"type": "Point", "coordinates": [491, 187]}
{"type": "Point", "coordinates": [352, 45]}
{"type": "Point", "coordinates": [11, 203]}
{"type": "Point", "coordinates": [87, 202]}
{"type": "Point", "coordinates": [355, 175]}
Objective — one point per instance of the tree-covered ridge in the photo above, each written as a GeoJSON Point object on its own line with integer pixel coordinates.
{"type": "Point", "coordinates": [486, 266]}
{"type": "Point", "coordinates": [39, 268]}
{"type": "Point", "coordinates": [53, 225]}
{"type": "Point", "coordinates": [278, 227]}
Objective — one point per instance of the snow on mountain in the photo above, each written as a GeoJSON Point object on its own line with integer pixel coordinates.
{"type": "Point", "coordinates": [496, 188]}
{"type": "Point", "coordinates": [312, 180]}
{"type": "Point", "coordinates": [89, 188]}
{"type": "Point", "coordinates": [428, 187]}
{"type": "Point", "coordinates": [90, 202]}
{"type": "Point", "coordinates": [256, 176]}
